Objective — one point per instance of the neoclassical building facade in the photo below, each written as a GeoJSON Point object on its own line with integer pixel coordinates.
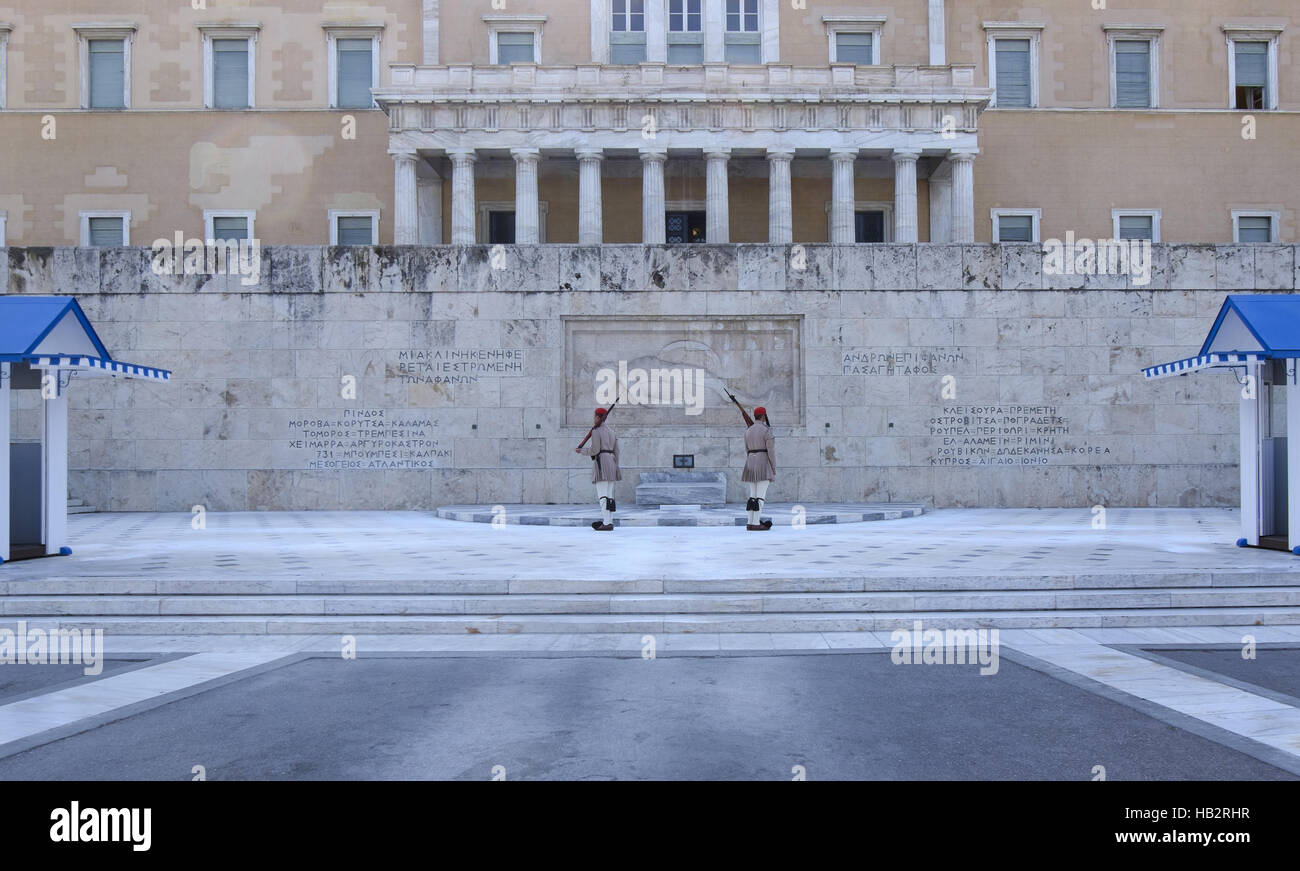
{"type": "Point", "coordinates": [629, 121]}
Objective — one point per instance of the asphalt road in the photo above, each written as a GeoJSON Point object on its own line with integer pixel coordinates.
{"type": "Point", "coordinates": [841, 716]}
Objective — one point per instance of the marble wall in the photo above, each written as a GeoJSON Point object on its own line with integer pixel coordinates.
{"type": "Point", "coordinates": [364, 378]}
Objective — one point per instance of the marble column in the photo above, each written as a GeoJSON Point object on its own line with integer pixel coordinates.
{"type": "Point", "coordinates": [429, 199]}
{"type": "Point", "coordinates": [780, 211]}
{"type": "Point", "coordinates": [963, 196]}
{"type": "Point", "coordinates": [717, 196]}
{"type": "Point", "coordinates": [905, 213]}
{"type": "Point", "coordinates": [940, 207]}
{"type": "Point", "coordinates": [591, 223]}
{"type": "Point", "coordinates": [653, 220]}
{"type": "Point", "coordinates": [843, 231]}
{"type": "Point", "coordinates": [462, 196]}
{"type": "Point", "coordinates": [528, 228]}
{"type": "Point", "coordinates": [406, 209]}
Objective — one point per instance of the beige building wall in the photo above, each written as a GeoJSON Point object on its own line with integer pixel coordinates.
{"type": "Point", "coordinates": [166, 168]}
{"type": "Point", "coordinates": [168, 159]}
{"type": "Point", "coordinates": [167, 49]}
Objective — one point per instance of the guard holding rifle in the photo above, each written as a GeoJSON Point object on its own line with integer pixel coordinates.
{"type": "Point", "coordinates": [760, 464]}
{"type": "Point", "coordinates": [601, 445]}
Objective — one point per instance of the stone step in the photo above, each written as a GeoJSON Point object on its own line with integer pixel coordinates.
{"type": "Point", "coordinates": [78, 506]}
{"type": "Point", "coordinates": [666, 604]}
{"type": "Point", "coordinates": [550, 624]}
{"type": "Point", "coordinates": [236, 585]}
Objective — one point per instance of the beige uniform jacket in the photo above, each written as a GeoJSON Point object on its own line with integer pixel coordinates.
{"type": "Point", "coordinates": [604, 448]}
{"type": "Point", "coordinates": [760, 466]}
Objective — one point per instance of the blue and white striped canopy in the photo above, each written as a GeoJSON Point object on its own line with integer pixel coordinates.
{"type": "Point", "coordinates": [52, 332]}
{"type": "Point", "coordinates": [1221, 360]}
{"type": "Point", "coordinates": [99, 366]}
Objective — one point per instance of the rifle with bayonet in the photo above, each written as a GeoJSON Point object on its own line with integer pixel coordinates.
{"type": "Point", "coordinates": [587, 438]}
{"type": "Point", "coordinates": [749, 421]}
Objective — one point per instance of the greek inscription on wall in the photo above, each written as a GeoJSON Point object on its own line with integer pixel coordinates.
{"type": "Point", "coordinates": [456, 365]}
{"type": "Point", "coordinates": [1005, 435]}
{"type": "Point", "coordinates": [867, 361]}
{"type": "Point", "coordinates": [365, 439]}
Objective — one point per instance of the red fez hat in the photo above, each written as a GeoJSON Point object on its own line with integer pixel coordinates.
{"type": "Point", "coordinates": [602, 411]}
{"type": "Point", "coordinates": [760, 412]}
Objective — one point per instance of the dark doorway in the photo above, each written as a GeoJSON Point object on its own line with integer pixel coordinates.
{"type": "Point", "coordinates": [686, 227]}
{"type": "Point", "coordinates": [501, 228]}
{"type": "Point", "coordinates": [869, 226]}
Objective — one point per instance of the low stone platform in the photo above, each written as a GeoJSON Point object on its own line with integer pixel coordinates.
{"type": "Point", "coordinates": [780, 513]}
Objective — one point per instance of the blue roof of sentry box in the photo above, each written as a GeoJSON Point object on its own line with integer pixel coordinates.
{"type": "Point", "coordinates": [52, 332]}
{"type": "Point", "coordinates": [1267, 323]}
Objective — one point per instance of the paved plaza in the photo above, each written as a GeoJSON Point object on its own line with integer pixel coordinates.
{"type": "Point", "coordinates": [273, 546]}
{"type": "Point", "coordinates": [1156, 695]}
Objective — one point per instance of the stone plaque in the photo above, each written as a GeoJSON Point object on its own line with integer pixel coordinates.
{"type": "Point", "coordinates": [670, 371]}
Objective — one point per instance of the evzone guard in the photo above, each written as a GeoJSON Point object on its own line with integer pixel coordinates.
{"type": "Point", "coordinates": [760, 464]}
{"type": "Point", "coordinates": [601, 444]}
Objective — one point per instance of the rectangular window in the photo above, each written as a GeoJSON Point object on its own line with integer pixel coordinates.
{"type": "Point", "coordinates": [684, 16]}
{"type": "Point", "coordinates": [355, 72]}
{"type": "Point", "coordinates": [1254, 228]}
{"type": "Point", "coordinates": [1015, 225]}
{"type": "Point", "coordinates": [354, 230]}
{"type": "Point", "coordinates": [743, 44]}
{"type": "Point", "coordinates": [1133, 73]}
{"type": "Point", "coordinates": [629, 16]}
{"type": "Point", "coordinates": [742, 16]}
{"type": "Point", "coordinates": [514, 47]}
{"type": "Point", "coordinates": [230, 73]}
{"type": "Point", "coordinates": [1136, 227]}
{"type": "Point", "coordinates": [854, 48]}
{"type": "Point", "coordinates": [107, 73]}
{"type": "Point", "coordinates": [627, 42]}
{"type": "Point", "coordinates": [1251, 59]}
{"type": "Point", "coordinates": [1013, 73]}
{"type": "Point", "coordinates": [229, 226]}
{"type": "Point", "coordinates": [105, 229]}
{"type": "Point", "coordinates": [685, 32]}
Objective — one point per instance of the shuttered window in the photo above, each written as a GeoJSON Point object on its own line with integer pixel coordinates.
{"type": "Point", "coordinates": [1254, 228]}
{"type": "Point", "coordinates": [230, 73]}
{"type": "Point", "coordinates": [1012, 73]}
{"type": "Point", "coordinates": [355, 72]}
{"type": "Point", "coordinates": [229, 227]}
{"type": "Point", "coordinates": [1015, 228]}
{"type": "Point", "coordinates": [686, 53]}
{"type": "Point", "coordinates": [107, 73]}
{"type": "Point", "coordinates": [356, 230]}
{"type": "Point", "coordinates": [1252, 74]}
{"type": "Point", "coordinates": [1136, 227]}
{"type": "Point", "coordinates": [853, 48]}
{"type": "Point", "coordinates": [1133, 73]}
{"type": "Point", "coordinates": [105, 232]}
{"type": "Point", "coordinates": [515, 48]}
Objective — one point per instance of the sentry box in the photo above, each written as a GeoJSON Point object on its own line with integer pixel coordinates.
{"type": "Point", "coordinates": [1257, 338]}
{"type": "Point", "coordinates": [45, 341]}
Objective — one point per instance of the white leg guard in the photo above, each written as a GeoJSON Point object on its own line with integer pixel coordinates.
{"type": "Point", "coordinates": [753, 494]}
{"type": "Point", "coordinates": [604, 493]}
